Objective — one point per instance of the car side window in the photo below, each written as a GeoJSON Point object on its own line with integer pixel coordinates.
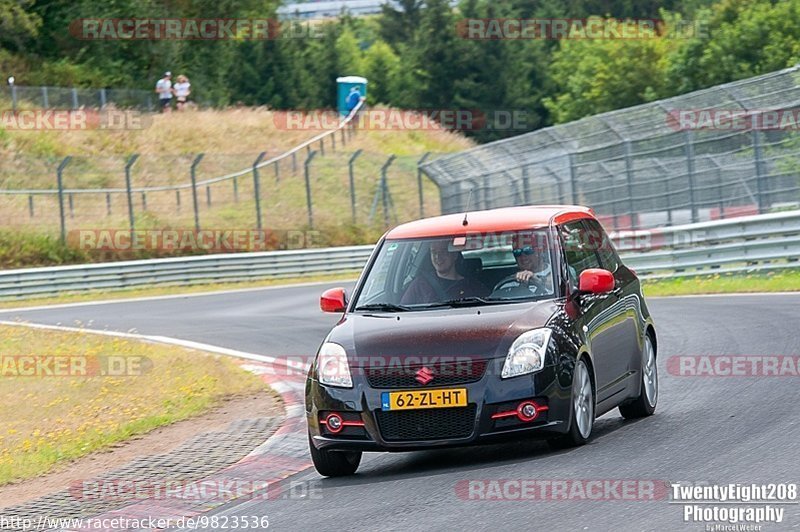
{"type": "Point", "coordinates": [599, 241]}
{"type": "Point", "coordinates": [578, 253]}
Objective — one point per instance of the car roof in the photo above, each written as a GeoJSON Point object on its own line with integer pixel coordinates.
{"type": "Point", "coordinates": [491, 221]}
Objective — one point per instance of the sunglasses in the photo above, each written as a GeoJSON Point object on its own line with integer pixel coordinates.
{"type": "Point", "coordinates": [527, 250]}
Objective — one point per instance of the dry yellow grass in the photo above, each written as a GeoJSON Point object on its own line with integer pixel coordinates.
{"type": "Point", "coordinates": [231, 140]}
{"type": "Point", "coordinates": [50, 419]}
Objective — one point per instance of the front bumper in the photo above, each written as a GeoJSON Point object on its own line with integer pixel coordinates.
{"type": "Point", "coordinates": [486, 397]}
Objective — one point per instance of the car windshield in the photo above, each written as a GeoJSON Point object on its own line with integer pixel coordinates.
{"type": "Point", "coordinates": [455, 271]}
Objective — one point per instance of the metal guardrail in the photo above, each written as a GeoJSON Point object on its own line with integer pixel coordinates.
{"type": "Point", "coordinates": [754, 243]}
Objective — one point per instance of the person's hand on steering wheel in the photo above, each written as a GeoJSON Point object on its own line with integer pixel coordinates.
{"type": "Point", "coordinates": [524, 276]}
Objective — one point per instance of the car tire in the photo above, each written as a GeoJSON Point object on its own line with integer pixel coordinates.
{"type": "Point", "coordinates": [645, 404]}
{"type": "Point", "coordinates": [334, 463]}
{"type": "Point", "coordinates": [582, 404]}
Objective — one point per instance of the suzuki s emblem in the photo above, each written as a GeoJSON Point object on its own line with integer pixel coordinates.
{"type": "Point", "coordinates": [424, 375]}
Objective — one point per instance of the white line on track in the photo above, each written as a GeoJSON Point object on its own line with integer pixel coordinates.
{"type": "Point", "coordinates": [153, 339]}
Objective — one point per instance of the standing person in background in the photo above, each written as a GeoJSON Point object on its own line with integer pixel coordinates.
{"type": "Point", "coordinates": [182, 91]}
{"type": "Point", "coordinates": [164, 91]}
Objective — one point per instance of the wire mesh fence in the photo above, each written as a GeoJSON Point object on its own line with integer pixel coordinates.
{"type": "Point", "coordinates": [721, 152]}
{"type": "Point", "coordinates": [78, 98]}
{"type": "Point", "coordinates": [211, 191]}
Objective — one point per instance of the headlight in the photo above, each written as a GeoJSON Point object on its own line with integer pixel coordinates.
{"type": "Point", "coordinates": [526, 354]}
{"type": "Point", "coordinates": [332, 366]}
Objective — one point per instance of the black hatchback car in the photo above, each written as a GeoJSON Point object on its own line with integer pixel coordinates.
{"type": "Point", "coordinates": [504, 323]}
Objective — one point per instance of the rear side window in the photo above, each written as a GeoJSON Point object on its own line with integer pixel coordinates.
{"type": "Point", "coordinates": [599, 240]}
{"type": "Point", "coordinates": [578, 251]}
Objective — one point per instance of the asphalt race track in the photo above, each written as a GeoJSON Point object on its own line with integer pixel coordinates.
{"type": "Point", "coordinates": [715, 430]}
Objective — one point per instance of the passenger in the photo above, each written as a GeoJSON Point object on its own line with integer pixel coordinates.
{"type": "Point", "coordinates": [445, 283]}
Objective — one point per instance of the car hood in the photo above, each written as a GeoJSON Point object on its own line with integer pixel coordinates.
{"type": "Point", "coordinates": [476, 332]}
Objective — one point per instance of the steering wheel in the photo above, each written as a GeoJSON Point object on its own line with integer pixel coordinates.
{"type": "Point", "coordinates": [510, 287]}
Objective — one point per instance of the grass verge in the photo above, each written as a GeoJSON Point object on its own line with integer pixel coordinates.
{"type": "Point", "coordinates": [778, 281]}
{"type": "Point", "coordinates": [109, 391]}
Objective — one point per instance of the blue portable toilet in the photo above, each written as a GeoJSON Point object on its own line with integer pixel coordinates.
{"type": "Point", "coordinates": [345, 84]}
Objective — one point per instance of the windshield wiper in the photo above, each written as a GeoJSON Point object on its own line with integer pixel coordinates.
{"type": "Point", "coordinates": [463, 302]}
{"type": "Point", "coordinates": [387, 307]}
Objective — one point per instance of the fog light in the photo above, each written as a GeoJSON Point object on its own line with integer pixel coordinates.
{"type": "Point", "coordinates": [334, 423]}
{"type": "Point", "coordinates": [527, 411]}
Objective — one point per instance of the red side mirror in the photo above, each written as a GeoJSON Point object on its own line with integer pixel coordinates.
{"type": "Point", "coordinates": [596, 281]}
{"type": "Point", "coordinates": [333, 300]}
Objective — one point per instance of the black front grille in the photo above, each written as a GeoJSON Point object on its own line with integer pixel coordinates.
{"type": "Point", "coordinates": [444, 374]}
{"type": "Point", "coordinates": [427, 424]}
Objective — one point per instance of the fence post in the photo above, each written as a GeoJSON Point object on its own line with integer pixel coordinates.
{"type": "Point", "coordinates": [629, 184]}
{"type": "Point", "coordinates": [294, 162]}
{"type": "Point", "coordinates": [419, 184]}
{"type": "Point", "coordinates": [45, 99]}
{"type": "Point", "coordinates": [102, 98]}
{"type": "Point", "coordinates": [333, 141]}
{"type": "Point", "coordinates": [350, 164]}
{"type": "Point", "coordinates": [71, 198]}
{"type": "Point", "coordinates": [128, 165]}
{"type": "Point", "coordinates": [236, 189]}
{"type": "Point", "coordinates": [178, 200]}
{"type": "Point", "coordinates": [761, 184]}
{"type": "Point", "coordinates": [30, 204]}
{"type": "Point", "coordinates": [257, 188]}
{"type": "Point", "coordinates": [526, 186]}
{"type": "Point", "coordinates": [13, 97]}
{"type": "Point", "coordinates": [74, 98]}
{"type": "Point", "coordinates": [60, 181]}
{"type": "Point", "coordinates": [208, 195]}
{"type": "Point", "coordinates": [689, 149]}
{"type": "Point", "coordinates": [573, 179]}
{"type": "Point", "coordinates": [144, 200]}
{"type": "Point", "coordinates": [108, 204]}
{"type": "Point", "coordinates": [277, 170]}
{"type": "Point", "coordinates": [486, 193]}
{"type": "Point", "coordinates": [306, 170]}
{"type": "Point", "coordinates": [385, 189]}
{"type": "Point", "coordinates": [384, 201]}
{"type": "Point", "coordinates": [193, 175]}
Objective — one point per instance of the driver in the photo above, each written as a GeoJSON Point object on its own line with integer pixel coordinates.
{"type": "Point", "coordinates": [445, 282]}
{"type": "Point", "coordinates": [533, 261]}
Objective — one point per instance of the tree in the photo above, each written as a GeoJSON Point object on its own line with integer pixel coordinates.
{"type": "Point", "coordinates": [382, 68]}
{"type": "Point", "coordinates": [745, 38]}
{"type": "Point", "coordinates": [594, 76]}
{"type": "Point", "coordinates": [19, 26]}
{"type": "Point", "coordinates": [400, 25]}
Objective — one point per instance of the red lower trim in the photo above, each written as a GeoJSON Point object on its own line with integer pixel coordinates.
{"type": "Point", "coordinates": [516, 412]}
{"type": "Point", "coordinates": [342, 425]}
